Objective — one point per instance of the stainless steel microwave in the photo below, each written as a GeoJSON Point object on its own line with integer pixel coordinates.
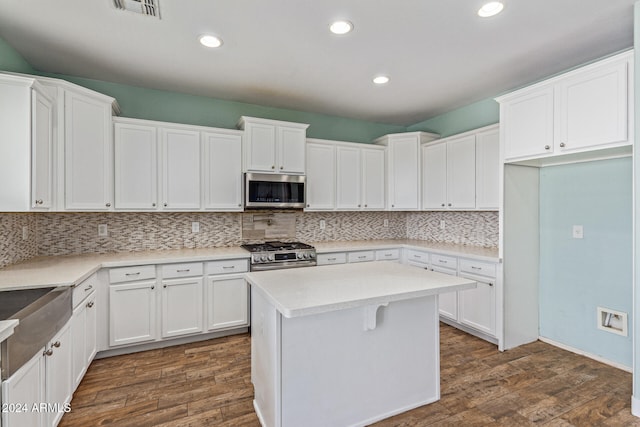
{"type": "Point", "coordinates": [275, 191]}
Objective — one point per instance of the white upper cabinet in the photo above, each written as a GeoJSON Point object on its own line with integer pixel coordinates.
{"type": "Point", "coordinates": [403, 168]}
{"type": "Point", "coordinates": [88, 152]}
{"type": "Point", "coordinates": [26, 151]}
{"type": "Point", "coordinates": [222, 167]}
{"type": "Point", "coordinates": [348, 178]}
{"type": "Point", "coordinates": [272, 146]}
{"type": "Point", "coordinates": [136, 166]}
{"type": "Point", "coordinates": [321, 176]}
{"type": "Point", "coordinates": [180, 150]}
{"type": "Point", "coordinates": [373, 178]}
{"type": "Point", "coordinates": [434, 176]}
{"type": "Point", "coordinates": [587, 109]}
{"type": "Point", "coordinates": [461, 173]}
{"type": "Point", "coordinates": [488, 168]}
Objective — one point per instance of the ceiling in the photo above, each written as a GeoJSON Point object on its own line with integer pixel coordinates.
{"type": "Point", "coordinates": [438, 53]}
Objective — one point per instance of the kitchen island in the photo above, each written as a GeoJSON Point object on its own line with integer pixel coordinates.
{"type": "Point", "coordinates": [345, 345]}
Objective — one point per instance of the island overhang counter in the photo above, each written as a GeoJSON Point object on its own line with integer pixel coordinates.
{"type": "Point", "coordinates": [345, 345]}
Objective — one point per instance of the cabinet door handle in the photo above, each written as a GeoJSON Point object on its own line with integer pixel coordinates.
{"type": "Point", "coordinates": [358, 205]}
{"type": "Point", "coordinates": [228, 267]}
{"type": "Point", "coordinates": [39, 202]}
{"type": "Point", "coordinates": [281, 167]}
{"type": "Point", "coordinates": [184, 270]}
{"type": "Point", "coordinates": [546, 147]}
{"type": "Point", "coordinates": [362, 257]}
{"type": "Point", "coordinates": [366, 206]}
{"type": "Point", "coordinates": [90, 304]}
{"type": "Point", "coordinates": [476, 268]}
{"type": "Point", "coordinates": [56, 344]}
{"type": "Point", "coordinates": [164, 286]}
{"type": "Point", "coordinates": [153, 287]}
{"type": "Point", "coordinates": [165, 204]}
{"type": "Point", "coordinates": [308, 205]}
{"type": "Point", "coordinates": [88, 288]}
{"type": "Point", "coordinates": [490, 284]}
{"type": "Point", "coordinates": [132, 274]}
{"type": "Point", "coordinates": [449, 204]}
{"type": "Point", "coordinates": [153, 205]}
{"type": "Point", "coordinates": [441, 261]}
{"type": "Point", "coordinates": [273, 166]}
{"type": "Point", "coordinates": [417, 256]}
{"type": "Point", "coordinates": [562, 144]}
{"type": "Point", "coordinates": [331, 259]}
{"type": "Point", "coordinates": [48, 352]}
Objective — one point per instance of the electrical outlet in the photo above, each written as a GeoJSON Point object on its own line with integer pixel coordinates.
{"type": "Point", "coordinates": [385, 223]}
{"type": "Point", "coordinates": [25, 232]}
{"type": "Point", "coordinates": [103, 231]}
{"type": "Point", "coordinates": [195, 227]}
{"type": "Point", "coordinates": [442, 225]}
{"type": "Point", "coordinates": [323, 224]}
{"type": "Point", "coordinates": [578, 232]}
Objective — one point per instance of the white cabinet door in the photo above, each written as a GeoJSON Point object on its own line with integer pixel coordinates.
{"type": "Point", "coordinates": [78, 338]}
{"type": "Point", "coordinates": [488, 169]}
{"type": "Point", "coordinates": [434, 176]}
{"type": "Point", "coordinates": [291, 149]}
{"type": "Point", "coordinates": [21, 391]}
{"type": "Point", "coordinates": [88, 153]}
{"type": "Point", "coordinates": [447, 302]}
{"type": "Point", "coordinates": [182, 301]}
{"type": "Point", "coordinates": [227, 302]}
{"type": "Point", "coordinates": [58, 374]}
{"type": "Point", "coordinates": [223, 171]}
{"type": "Point", "coordinates": [461, 173]}
{"type": "Point", "coordinates": [41, 151]}
{"type": "Point", "coordinates": [478, 306]}
{"type": "Point", "coordinates": [321, 176]}
{"type": "Point", "coordinates": [261, 147]}
{"type": "Point", "coordinates": [591, 108]}
{"type": "Point", "coordinates": [132, 313]}
{"type": "Point", "coordinates": [373, 183]}
{"type": "Point", "coordinates": [136, 166]}
{"type": "Point", "coordinates": [404, 176]}
{"type": "Point", "coordinates": [91, 329]}
{"type": "Point", "coordinates": [527, 124]}
{"type": "Point", "coordinates": [348, 178]}
{"type": "Point", "coordinates": [180, 169]}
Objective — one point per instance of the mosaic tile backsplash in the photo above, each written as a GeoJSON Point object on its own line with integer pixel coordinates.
{"type": "Point", "coordinates": [75, 233]}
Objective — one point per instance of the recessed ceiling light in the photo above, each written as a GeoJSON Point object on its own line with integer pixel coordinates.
{"type": "Point", "coordinates": [341, 27]}
{"type": "Point", "coordinates": [490, 9]}
{"type": "Point", "coordinates": [380, 80]}
{"type": "Point", "coordinates": [210, 41]}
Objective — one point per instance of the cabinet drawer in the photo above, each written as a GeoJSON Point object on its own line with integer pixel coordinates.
{"type": "Point", "coordinates": [361, 256]}
{"type": "Point", "coordinates": [182, 270]}
{"type": "Point", "coordinates": [84, 289]}
{"type": "Point", "coordinates": [417, 256]}
{"type": "Point", "coordinates": [478, 267]}
{"type": "Point", "coordinates": [391, 254]}
{"type": "Point", "coordinates": [335, 258]}
{"type": "Point", "coordinates": [438, 260]}
{"type": "Point", "coordinates": [128, 274]}
{"type": "Point", "coordinates": [228, 266]}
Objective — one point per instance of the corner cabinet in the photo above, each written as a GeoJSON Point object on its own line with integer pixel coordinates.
{"type": "Point", "coordinates": [26, 153]}
{"type": "Point", "coordinates": [403, 169]}
{"type": "Point", "coordinates": [587, 109]}
{"type": "Point", "coordinates": [461, 172]}
{"type": "Point", "coordinates": [272, 146]}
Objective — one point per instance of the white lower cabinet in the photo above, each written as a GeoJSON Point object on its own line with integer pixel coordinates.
{"type": "Point", "coordinates": [83, 335]}
{"type": "Point", "coordinates": [331, 258]}
{"type": "Point", "coordinates": [182, 306]}
{"type": "Point", "coordinates": [38, 393]}
{"type": "Point", "coordinates": [447, 302]}
{"type": "Point", "coordinates": [227, 294]}
{"type": "Point", "coordinates": [132, 312]}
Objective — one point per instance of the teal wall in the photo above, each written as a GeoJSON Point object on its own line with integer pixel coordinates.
{"type": "Point", "coordinates": [578, 275]}
{"type": "Point", "coordinates": [472, 116]}
{"type": "Point", "coordinates": [10, 60]}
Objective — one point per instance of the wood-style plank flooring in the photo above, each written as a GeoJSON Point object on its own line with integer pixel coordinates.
{"type": "Point", "coordinates": [208, 384]}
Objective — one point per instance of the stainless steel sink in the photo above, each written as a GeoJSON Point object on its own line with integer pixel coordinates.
{"type": "Point", "coordinates": [41, 312]}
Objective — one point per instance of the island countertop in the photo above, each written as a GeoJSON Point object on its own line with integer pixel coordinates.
{"type": "Point", "coordinates": [300, 292]}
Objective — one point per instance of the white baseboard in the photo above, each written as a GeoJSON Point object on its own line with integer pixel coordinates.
{"type": "Point", "coordinates": [585, 354]}
{"type": "Point", "coordinates": [635, 406]}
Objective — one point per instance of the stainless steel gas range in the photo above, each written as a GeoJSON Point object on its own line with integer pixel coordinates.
{"type": "Point", "coordinates": [278, 255]}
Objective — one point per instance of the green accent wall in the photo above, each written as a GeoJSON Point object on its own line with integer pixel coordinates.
{"type": "Point", "coordinates": [10, 60]}
{"type": "Point", "coordinates": [472, 116]}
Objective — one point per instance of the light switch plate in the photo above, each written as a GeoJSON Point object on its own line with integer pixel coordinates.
{"type": "Point", "coordinates": [578, 232]}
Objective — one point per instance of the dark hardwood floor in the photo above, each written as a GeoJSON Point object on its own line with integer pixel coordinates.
{"type": "Point", "coordinates": [209, 384]}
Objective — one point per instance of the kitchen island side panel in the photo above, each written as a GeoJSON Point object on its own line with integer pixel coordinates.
{"type": "Point", "coordinates": [334, 372]}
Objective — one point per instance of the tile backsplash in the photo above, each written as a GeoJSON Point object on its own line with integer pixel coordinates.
{"type": "Point", "coordinates": [75, 233]}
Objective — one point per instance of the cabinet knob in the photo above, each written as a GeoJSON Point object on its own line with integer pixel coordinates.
{"type": "Point", "coordinates": [56, 344]}
{"type": "Point", "coordinates": [443, 205]}
{"type": "Point", "coordinates": [165, 204]}
{"type": "Point", "coordinates": [366, 206]}
{"type": "Point", "coordinates": [273, 166]}
{"type": "Point", "coordinates": [358, 205]}
{"type": "Point", "coordinates": [490, 284]}
{"type": "Point", "coordinates": [562, 144]}
{"type": "Point", "coordinates": [39, 202]}
{"type": "Point", "coordinates": [164, 286]}
{"type": "Point", "coordinates": [393, 206]}
{"type": "Point", "coordinates": [108, 204]}
{"type": "Point", "coordinates": [48, 352]}
{"type": "Point", "coordinates": [153, 287]}
{"type": "Point", "coordinates": [449, 204]}
{"type": "Point", "coordinates": [281, 167]}
{"type": "Point", "coordinates": [153, 205]}
{"type": "Point", "coordinates": [308, 205]}
{"type": "Point", "coordinates": [546, 147]}
{"type": "Point", "coordinates": [239, 205]}
{"type": "Point", "coordinates": [90, 304]}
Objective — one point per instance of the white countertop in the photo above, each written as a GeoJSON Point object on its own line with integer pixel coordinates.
{"type": "Point", "coordinates": [313, 290]}
{"type": "Point", "coordinates": [69, 270]}
{"type": "Point", "coordinates": [476, 252]}
{"type": "Point", "coordinates": [6, 328]}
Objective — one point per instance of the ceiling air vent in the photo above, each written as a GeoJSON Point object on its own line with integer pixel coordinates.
{"type": "Point", "coordinates": [143, 7]}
